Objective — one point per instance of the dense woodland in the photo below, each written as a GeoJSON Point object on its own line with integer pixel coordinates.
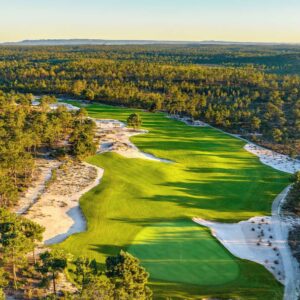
{"type": "Point", "coordinates": [281, 59]}
{"type": "Point", "coordinates": [230, 94]}
{"type": "Point", "coordinates": [292, 204]}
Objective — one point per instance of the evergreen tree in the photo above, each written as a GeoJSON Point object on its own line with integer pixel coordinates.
{"type": "Point", "coordinates": [14, 242]}
{"type": "Point", "coordinates": [134, 120]}
{"type": "Point", "coordinates": [129, 277]}
{"type": "Point", "coordinates": [52, 263]}
{"type": "Point", "coordinates": [100, 288]}
{"type": "Point", "coordinates": [86, 270]}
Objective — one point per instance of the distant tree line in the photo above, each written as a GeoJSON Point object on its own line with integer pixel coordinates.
{"type": "Point", "coordinates": [278, 59]}
{"type": "Point", "coordinates": [244, 100]}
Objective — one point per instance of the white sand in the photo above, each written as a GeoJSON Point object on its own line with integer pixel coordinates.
{"type": "Point", "coordinates": [57, 209]}
{"type": "Point", "coordinates": [114, 136]}
{"type": "Point", "coordinates": [54, 106]}
{"type": "Point", "coordinates": [275, 160]}
{"type": "Point", "coordinates": [57, 206]}
{"type": "Point", "coordinates": [117, 135]}
{"type": "Point", "coordinates": [243, 242]}
{"type": "Point", "coordinates": [42, 175]}
{"type": "Point", "coordinates": [69, 107]}
{"type": "Point", "coordinates": [188, 121]}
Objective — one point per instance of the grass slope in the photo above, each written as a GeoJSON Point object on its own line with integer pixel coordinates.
{"type": "Point", "coordinates": [146, 208]}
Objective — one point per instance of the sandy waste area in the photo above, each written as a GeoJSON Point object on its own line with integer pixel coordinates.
{"type": "Point", "coordinates": [114, 136]}
{"type": "Point", "coordinates": [54, 202]}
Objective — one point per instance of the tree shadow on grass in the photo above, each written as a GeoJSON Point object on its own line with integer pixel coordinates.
{"type": "Point", "coordinates": [179, 252]}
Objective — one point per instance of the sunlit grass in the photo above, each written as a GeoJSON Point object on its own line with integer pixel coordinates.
{"type": "Point", "coordinates": [146, 208]}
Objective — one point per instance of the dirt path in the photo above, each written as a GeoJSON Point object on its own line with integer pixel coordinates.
{"type": "Point", "coordinates": [281, 232]}
{"type": "Point", "coordinates": [42, 174]}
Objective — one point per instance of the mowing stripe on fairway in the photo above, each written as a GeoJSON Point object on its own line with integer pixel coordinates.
{"type": "Point", "coordinates": [133, 208]}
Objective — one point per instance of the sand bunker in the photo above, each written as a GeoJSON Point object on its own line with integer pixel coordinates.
{"type": "Point", "coordinates": [68, 106]}
{"type": "Point", "coordinates": [253, 240]}
{"type": "Point", "coordinates": [114, 136]}
{"type": "Point", "coordinates": [275, 160]}
{"type": "Point", "coordinates": [57, 209]}
{"type": "Point", "coordinates": [54, 106]}
{"type": "Point", "coordinates": [54, 202]}
{"type": "Point", "coordinates": [188, 121]}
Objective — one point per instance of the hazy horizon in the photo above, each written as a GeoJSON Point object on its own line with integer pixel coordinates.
{"type": "Point", "coordinates": [146, 40]}
{"type": "Point", "coordinates": [270, 21]}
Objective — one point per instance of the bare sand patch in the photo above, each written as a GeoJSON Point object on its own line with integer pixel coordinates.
{"type": "Point", "coordinates": [57, 209]}
{"type": "Point", "coordinates": [114, 136]}
{"type": "Point", "coordinates": [253, 239]}
{"type": "Point", "coordinates": [42, 174]}
{"type": "Point", "coordinates": [188, 121]}
{"type": "Point", "coordinates": [273, 159]}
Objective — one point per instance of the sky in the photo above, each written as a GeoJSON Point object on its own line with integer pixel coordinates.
{"type": "Point", "coordinates": [182, 20]}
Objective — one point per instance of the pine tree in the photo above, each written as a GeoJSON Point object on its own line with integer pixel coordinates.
{"type": "Point", "coordinates": [134, 120]}
{"type": "Point", "coordinates": [129, 277]}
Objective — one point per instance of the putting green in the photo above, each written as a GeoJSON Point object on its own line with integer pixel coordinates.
{"type": "Point", "coordinates": [146, 207]}
{"type": "Point", "coordinates": [176, 252]}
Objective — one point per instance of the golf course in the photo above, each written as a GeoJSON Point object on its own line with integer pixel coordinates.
{"type": "Point", "coordinates": [146, 208]}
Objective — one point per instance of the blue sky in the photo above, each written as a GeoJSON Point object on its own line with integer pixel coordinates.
{"type": "Point", "coordinates": [231, 20]}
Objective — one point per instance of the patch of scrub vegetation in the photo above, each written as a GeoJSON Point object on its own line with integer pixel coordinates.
{"type": "Point", "coordinates": [139, 201]}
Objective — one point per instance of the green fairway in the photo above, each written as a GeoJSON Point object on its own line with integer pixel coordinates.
{"type": "Point", "coordinates": [145, 207]}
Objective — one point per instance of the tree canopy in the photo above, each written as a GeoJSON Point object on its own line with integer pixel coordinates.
{"type": "Point", "coordinates": [134, 120]}
{"type": "Point", "coordinates": [247, 90]}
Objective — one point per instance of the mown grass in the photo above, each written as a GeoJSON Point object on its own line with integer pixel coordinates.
{"type": "Point", "coordinates": [146, 207]}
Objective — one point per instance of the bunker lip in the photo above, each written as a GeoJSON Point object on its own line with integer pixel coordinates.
{"type": "Point", "coordinates": [253, 240]}
{"type": "Point", "coordinates": [115, 137]}
{"type": "Point", "coordinates": [58, 211]}
{"type": "Point", "coordinates": [273, 159]}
